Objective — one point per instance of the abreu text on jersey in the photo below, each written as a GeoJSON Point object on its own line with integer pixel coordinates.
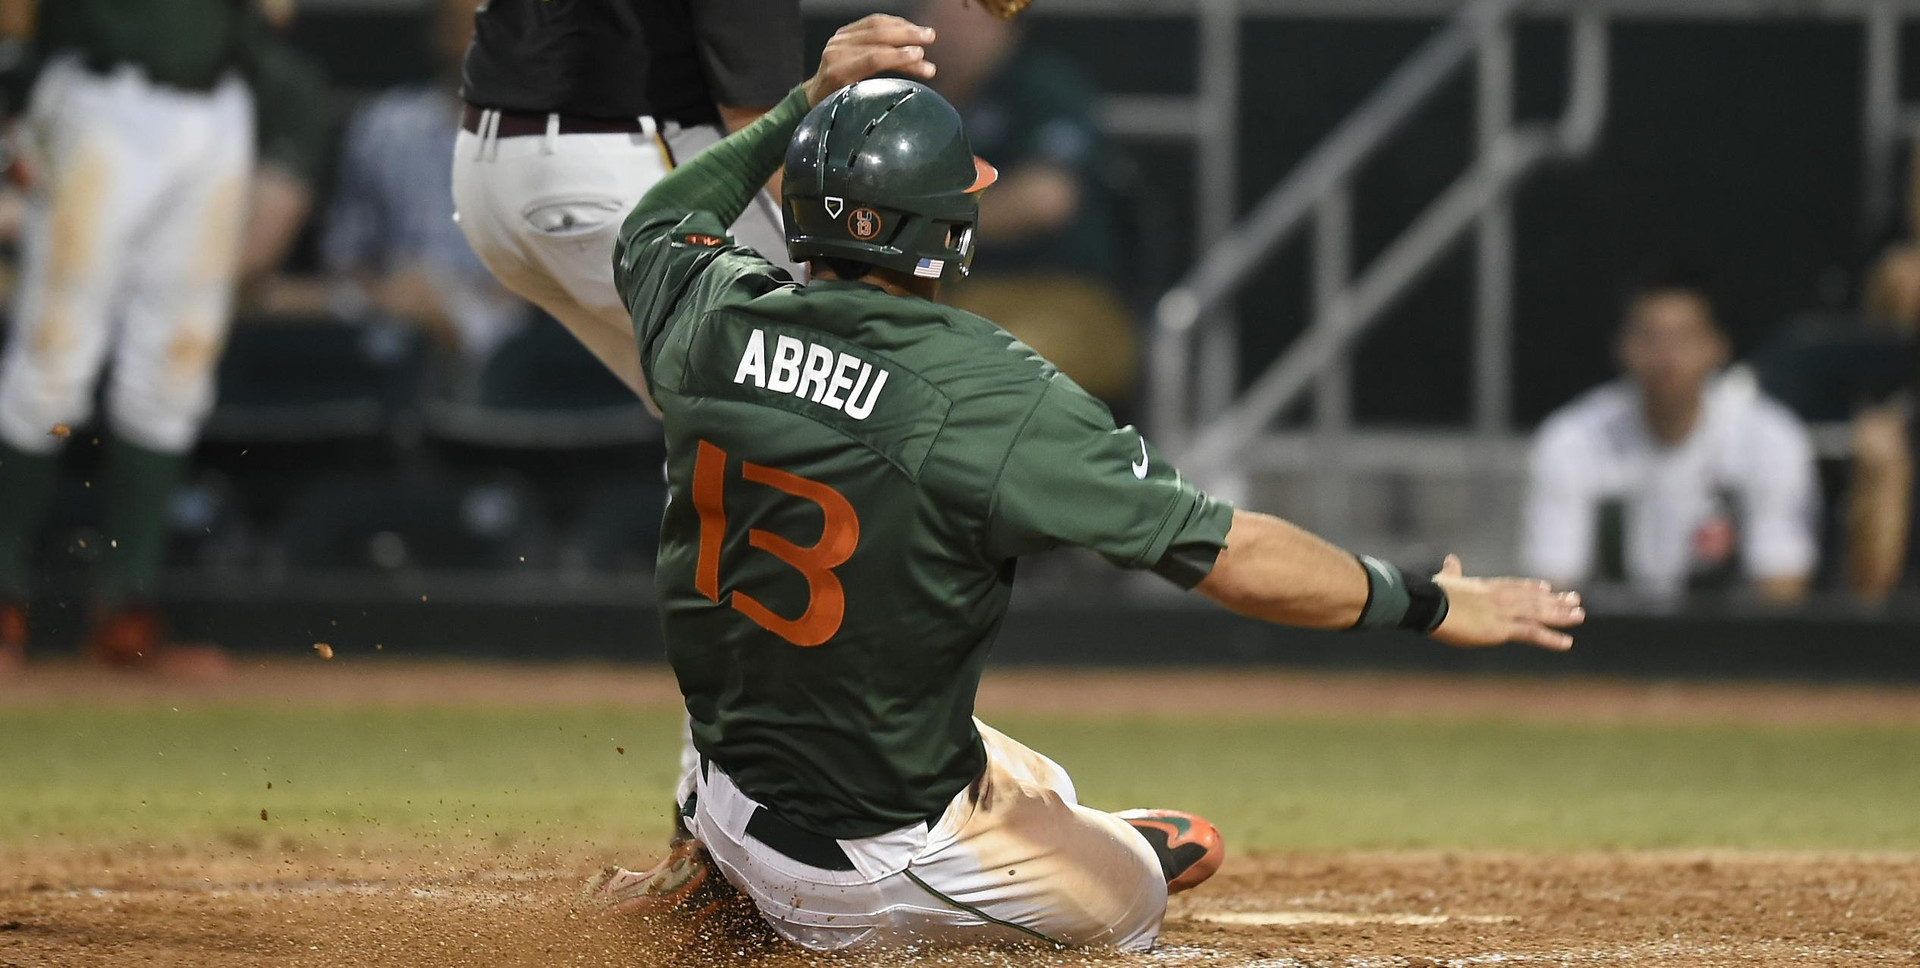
{"type": "Point", "coordinates": [812, 372]}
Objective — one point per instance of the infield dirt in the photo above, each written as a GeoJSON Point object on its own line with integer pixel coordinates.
{"type": "Point", "coordinates": [223, 905]}
{"type": "Point", "coordinates": [400, 909]}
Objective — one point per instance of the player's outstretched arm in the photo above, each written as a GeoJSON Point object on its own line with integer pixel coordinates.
{"type": "Point", "coordinates": [1277, 572]}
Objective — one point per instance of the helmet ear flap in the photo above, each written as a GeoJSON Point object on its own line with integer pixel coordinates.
{"type": "Point", "coordinates": [834, 227]}
{"type": "Point", "coordinates": [837, 219]}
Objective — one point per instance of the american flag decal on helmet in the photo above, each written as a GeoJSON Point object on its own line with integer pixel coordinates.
{"type": "Point", "coordinates": [930, 268]}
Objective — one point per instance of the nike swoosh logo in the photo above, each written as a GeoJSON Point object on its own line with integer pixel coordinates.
{"type": "Point", "coordinates": [1140, 466]}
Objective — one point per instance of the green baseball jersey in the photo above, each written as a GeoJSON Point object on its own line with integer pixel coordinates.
{"type": "Point", "coordinates": [852, 477]}
{"type": "Point", "coordinates": [183, 43]}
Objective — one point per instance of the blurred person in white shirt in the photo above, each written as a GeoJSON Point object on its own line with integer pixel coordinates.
{"type": "Point", "coordinates": [1677, 477]}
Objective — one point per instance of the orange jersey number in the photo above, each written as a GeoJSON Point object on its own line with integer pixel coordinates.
{"type": "Point", "coordinates": [839, 535]}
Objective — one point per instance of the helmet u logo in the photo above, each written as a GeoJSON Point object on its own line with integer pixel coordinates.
{"type": "Point", "coordinates": [864, 223]}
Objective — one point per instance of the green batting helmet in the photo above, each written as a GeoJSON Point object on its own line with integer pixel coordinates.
{"type": "Point", "coordinates": [881, 173]}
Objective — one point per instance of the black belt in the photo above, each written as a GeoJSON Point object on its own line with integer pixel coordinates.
{"type": "Point", "coordinates": [514, 124]}
{"type": "Point", "coordinates": [793, 841]}
{"type": "Point", "coordinates": [805, 846]}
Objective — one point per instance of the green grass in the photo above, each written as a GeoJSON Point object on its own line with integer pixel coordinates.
{"type": "Point", "coordinates": [71, 776]}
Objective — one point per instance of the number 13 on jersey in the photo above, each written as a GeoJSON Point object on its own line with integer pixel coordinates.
{"type": "Point", "coordinates": [839, 535]}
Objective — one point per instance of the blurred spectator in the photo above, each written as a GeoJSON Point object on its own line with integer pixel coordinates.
{"type": "Point", "coordinates": [389, 241]}
{"type": "Point", "coordinates": [1880, 499]}
{"type": "Point", "coordinates": [1047, 275]}
{"type": "Point", "coordinates": [1881, 495]}
{"type": "Point", "coordinates": [1893, 286]}
{"type": "Point", "coordinates": [1675, 478]}
{"type": "Point", "coordinates": [290, 123]}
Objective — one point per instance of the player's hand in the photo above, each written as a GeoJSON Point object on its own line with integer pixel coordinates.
{"type": "Point", "coordinates": [1492, 611]}
{"type": "Point", "coordinates": [874, 44]}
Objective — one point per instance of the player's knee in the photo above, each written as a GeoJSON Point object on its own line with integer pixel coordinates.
{"type": "Point", "coordinates": [165, 433]}
{"type": "Point", "coordinates": [38, 408]}
{"type": "Point", "coordinates": [160, 415]}
{"type": "Point", "coordinates": [1129, 920]}
{"type": "Point", "coordinates": [60, 332]}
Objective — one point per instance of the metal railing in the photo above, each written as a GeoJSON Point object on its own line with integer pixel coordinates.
{"type": "Point", "coordinates": [1346, 303]}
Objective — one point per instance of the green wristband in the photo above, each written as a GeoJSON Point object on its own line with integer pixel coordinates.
{"type": "Point", "coordinates": [1393, 602]}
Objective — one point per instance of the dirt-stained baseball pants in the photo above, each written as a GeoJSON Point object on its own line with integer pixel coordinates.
{"type": "Point", "coordinates": [131, 244]}
{"type": "Point", "coordinates": [1014, 858]}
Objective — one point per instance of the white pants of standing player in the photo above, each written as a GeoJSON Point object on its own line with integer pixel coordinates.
{"type": "Point", "coordinates": [543, 212]}
{"type": "Point", "coordinates": [1014, 858]}
{"type": "Point", "coordinates": [131, 242]}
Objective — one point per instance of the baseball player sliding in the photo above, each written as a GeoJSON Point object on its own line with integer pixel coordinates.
{"type": "Point", "coordinates": [855, 469]}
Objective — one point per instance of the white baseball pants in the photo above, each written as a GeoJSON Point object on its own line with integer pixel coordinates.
{"type": "Point", "coordinates": [132, 241]}
{"type": "Point", "coordinates": [1014, 858]}
{"type": "Point", "coordinates": [543, 213]}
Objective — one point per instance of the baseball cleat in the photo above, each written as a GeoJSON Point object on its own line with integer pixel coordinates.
{"type": "Point", "coordinates": [13, 639]}
{"type": "Point", "coordinates": [685, 887]}
{"type": "Point", "coordinates": [1189, 848]}
{"type": "Point", "coordinates": [135, 638]}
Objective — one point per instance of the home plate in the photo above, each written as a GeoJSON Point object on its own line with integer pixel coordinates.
{"type": "Point", "coordinates": [1294, 918]}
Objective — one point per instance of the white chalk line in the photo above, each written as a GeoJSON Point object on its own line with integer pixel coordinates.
{"type": "Point", "coordinates": [1633, 954]}
{"type": "Point", "coordinates": [466, 893]}
{"type": "Point", "coordinates": [1341, 918]}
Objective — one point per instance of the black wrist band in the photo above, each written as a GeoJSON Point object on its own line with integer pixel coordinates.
{"type": "Point", "coordinates": [1426, 605]}
{"type": "Point", "coordinates": [1396, 602]}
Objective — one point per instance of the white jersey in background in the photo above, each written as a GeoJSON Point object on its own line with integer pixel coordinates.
{"type": "Point", "coordinates": [1740, 490]}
